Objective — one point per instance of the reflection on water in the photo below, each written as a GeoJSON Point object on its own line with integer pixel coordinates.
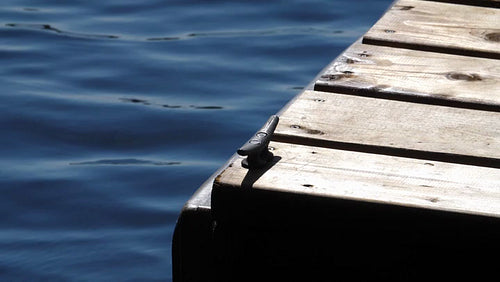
{"type": "Point", "coordinates": [114, 112]}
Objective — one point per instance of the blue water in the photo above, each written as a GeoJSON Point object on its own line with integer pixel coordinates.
{"type": "Point", "coordinates": [112, 113]}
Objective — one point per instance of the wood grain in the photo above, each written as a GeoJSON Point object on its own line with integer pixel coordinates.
{"type": "Point", "coordinates": [428, 77]}
{"type": "Point", "coordinates": [366, 177]}
{"type": "Point", "coordinates": [439, 27]}
{"type": "Point", "coordinates": [392, 127]}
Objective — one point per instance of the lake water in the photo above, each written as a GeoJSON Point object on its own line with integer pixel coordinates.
{"type": "Point", "coordinates": [113, 113]}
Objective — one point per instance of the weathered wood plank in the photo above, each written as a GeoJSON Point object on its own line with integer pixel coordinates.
{"type": "Point", "coordinates": [367, 177]}
{"type": "Point", "coordinates": [439, 27]}
{"type": "Point", "coordinates": [482, 3]}
{"type": "Point", "coordinates": [396, 73]}
{"type": "Point", "coordinates": [392, 127]}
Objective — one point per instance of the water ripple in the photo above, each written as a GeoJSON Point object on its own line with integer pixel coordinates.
{"type": "Point", "coordinates": [147, 103]}
{"type": "Point", "coordinates": [126, 162]}
{"type": "Point", "coordinates": [230, 33]}
{"type": "Point", "coordinates": [262, 32]}
{"type": "Point", "coordinates": [234, 33]}
{"type": "Point", "coordinates": [49, 28]}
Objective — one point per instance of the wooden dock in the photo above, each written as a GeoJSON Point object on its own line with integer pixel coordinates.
{"type": "Point", "coordinates": [388, 168]}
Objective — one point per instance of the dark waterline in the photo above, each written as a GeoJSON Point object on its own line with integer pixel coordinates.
{"type": "Point", "coordinates": [114, 112]}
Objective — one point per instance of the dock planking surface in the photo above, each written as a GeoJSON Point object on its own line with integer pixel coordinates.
{"type": "Point", "coordinates": [380, 118]}
{"type": "Point", "coordinates": [405, 74]}
{"type": "Point", "coordinates": [439, 27]}
{"type": "Point", "coordinates": [429, 94]}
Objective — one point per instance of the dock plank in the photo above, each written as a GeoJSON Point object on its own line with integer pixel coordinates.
{"type": "Point", "coordinates": [392, 127]}
{"type": "Point", "coordinates": [439, 27]}
{"type": "Point", "coordinates": [340, 174]}
{"type": "Point", "coordinates": [396, 73]}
